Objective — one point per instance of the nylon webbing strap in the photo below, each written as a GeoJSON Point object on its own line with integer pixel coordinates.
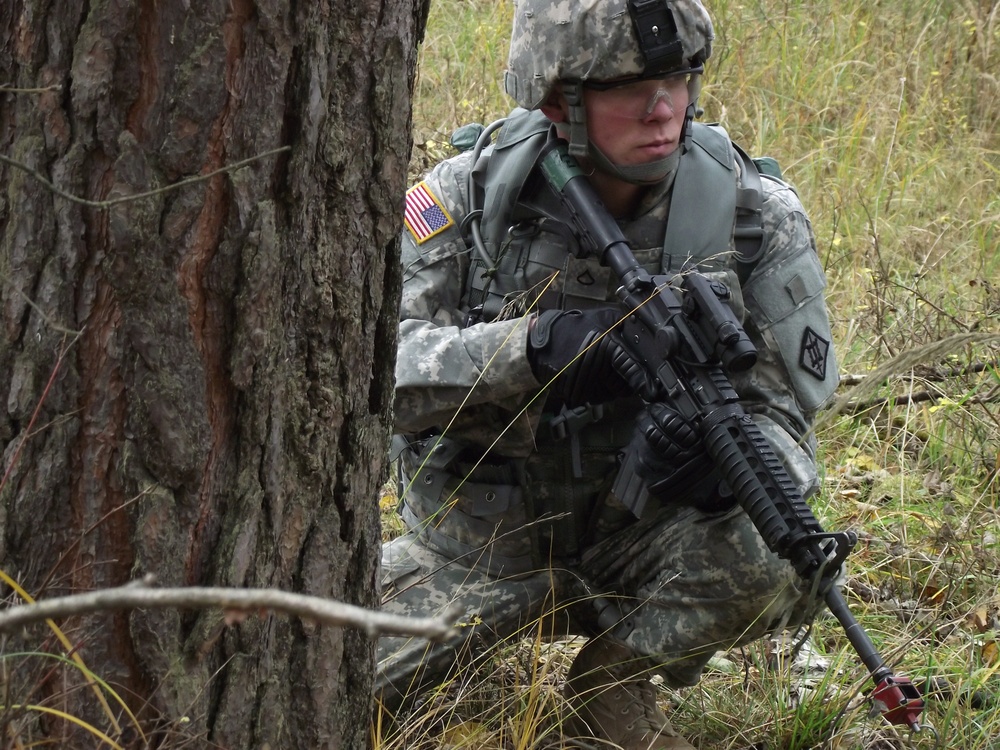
{"type": "Point", "coordinates": [568, 423]}
{"type": "Point", "coordinates": [748, 232]}
{"type": "Point", "coordinates": [577, 118]}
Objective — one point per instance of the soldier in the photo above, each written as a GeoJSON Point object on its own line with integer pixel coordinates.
{"type": "Point", "coordinates": [511, 427]}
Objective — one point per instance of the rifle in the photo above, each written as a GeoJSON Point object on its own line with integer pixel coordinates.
{"type": "Point", "coordinates": [688, 344]}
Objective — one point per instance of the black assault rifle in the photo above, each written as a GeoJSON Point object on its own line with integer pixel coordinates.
{"type": "Point", "coordinates": [688, 343]}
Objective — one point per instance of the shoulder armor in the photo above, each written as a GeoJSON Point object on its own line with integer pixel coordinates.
{"type": "Point", "coordinates": [710, 213]}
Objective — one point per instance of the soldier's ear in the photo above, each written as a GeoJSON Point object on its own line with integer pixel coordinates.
{"type": "Point", "coordinates": [555, 106]}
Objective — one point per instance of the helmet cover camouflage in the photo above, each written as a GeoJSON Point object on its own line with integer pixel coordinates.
{"type": "Point", "coordinates": [583, 40]}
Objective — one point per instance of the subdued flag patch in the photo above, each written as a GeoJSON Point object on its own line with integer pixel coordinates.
{"type": "Point", "coordinates": [425, 216]}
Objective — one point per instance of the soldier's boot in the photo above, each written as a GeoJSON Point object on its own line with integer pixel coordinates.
{"type": "Point", "coordinates": [614, 703]}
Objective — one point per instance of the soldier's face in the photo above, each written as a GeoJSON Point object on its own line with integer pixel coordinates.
{"type": "Point", "coordinates": [639, 122]}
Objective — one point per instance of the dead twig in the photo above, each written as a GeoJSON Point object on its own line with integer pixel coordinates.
{"type": "Point", "coordinates": [917, 397]}
{"type": "Point", "coordinates": [902, 363]}
{"type": "Point", "coordinates": [235, 603]}
{"type": "Point", "coordinates": [932, 374]}
{"type": "Point", "coordinates": [5, 89]}
{"type": "Point", "coordinates": [927, 374]}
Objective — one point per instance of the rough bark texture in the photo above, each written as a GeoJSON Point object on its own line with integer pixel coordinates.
{"type": "Point", "coordinates": [221, 413]}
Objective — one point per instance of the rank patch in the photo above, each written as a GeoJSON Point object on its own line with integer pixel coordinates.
{"type": "Point", "coordinates": [814, 353]}
{"type": "Point", "coordinates": [425, 216]}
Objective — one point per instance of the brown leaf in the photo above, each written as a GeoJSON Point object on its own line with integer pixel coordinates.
{"type": "Point", "coordinates": [991, 653]}
{"type": "Point", "coordinates": [933, 592]}
{"type": "Point", "coordinates": [980, 620]}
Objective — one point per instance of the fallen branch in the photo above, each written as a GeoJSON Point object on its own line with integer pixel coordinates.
{"type": "Point", "coordinates": [931, 374]}
{"type": "Point", "coordinates": [917, 397]}
{"type": "Point", "coordinates": [235, 603]}
{"type": "Point", "coordinates": [5, 89]}
{"type": "Point", "coordinates": [927, 374]}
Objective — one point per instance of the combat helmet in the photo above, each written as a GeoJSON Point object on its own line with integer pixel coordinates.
{"type": "Point", "coordinates": [571, 42]}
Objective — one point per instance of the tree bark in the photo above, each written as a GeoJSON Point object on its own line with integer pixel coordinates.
{"type": "Point", "coordinates": [198, 384]}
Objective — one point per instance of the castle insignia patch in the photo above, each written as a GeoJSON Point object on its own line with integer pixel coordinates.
{"type": "Point", "coordinates": [814, 353]}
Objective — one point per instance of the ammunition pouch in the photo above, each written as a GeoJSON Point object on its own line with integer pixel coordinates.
{"type": "Point", "coordinates": [467, 507]}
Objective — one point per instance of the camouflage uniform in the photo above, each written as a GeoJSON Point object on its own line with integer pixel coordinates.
{"type": "Point", "coordinates": [508, 499]}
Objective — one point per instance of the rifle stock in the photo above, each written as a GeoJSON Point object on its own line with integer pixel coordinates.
{"type": "Point", "coordinates": [688, 343]}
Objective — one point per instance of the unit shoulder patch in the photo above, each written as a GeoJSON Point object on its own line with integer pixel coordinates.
{"type": "Point", "coordinates": [425, 216]}
{"type": "Point", "coordinates": [814, 353]}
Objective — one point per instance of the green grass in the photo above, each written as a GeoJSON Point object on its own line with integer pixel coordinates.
{"type": "Point", "coordinates": [886, 118]}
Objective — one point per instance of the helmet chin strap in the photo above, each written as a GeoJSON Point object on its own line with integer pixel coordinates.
{"type": "Point", "coordinates": [650, 173]}
{"type": "Point", "coordinates": [692, 111]}
{"type": "Point", "coordinates": [576, 119]}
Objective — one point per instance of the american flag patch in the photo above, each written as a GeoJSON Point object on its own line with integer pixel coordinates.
{"type": "Point", "coordinates": [425, 216]}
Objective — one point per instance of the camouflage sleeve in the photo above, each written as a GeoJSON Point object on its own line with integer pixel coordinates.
{"type": "Point", "coordinates": [442, 365]}
{"type": "Point", "coordinates": [796, 372]}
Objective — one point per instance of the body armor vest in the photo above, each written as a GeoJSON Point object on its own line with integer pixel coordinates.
{"type": "Point", "coordinates": [712, 223]}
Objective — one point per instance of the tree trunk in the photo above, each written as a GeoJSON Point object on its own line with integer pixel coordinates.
{"type": "Point", "coordinates": [198, 383]}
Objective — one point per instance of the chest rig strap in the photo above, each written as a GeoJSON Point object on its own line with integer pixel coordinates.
{"type": "Point", "coordinates": [568, 423]}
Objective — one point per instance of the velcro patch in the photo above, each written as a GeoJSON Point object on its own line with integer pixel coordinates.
{"type": "Point", "coordinates": [814, 353]}
{"type": "Point", "coordinates": [425, 217]}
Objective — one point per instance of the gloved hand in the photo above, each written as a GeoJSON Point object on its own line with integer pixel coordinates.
{"type": "Point", "coordinates": [669, 452]}
{"type": "Point", "coordinates": [559, 336]}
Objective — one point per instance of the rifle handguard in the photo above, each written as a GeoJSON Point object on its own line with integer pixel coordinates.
{"type": "Point", "coordinates": [770, 498]}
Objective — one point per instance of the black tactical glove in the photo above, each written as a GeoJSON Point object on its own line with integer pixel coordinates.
{"type": "Point", "coordinates": [671, 460]}
{"type": "Point", "coordinates": [666, 445]}
{"type": "Point", "coordinates": [575, 349]}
